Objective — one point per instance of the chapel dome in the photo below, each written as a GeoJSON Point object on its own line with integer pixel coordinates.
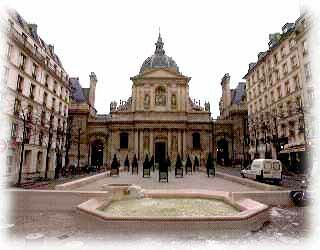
{"type": "Point", "coordinates": [159, 59]}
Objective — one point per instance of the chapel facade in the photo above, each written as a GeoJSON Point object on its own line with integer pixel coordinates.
{"type": "Point", "coordinates": [159, 119]}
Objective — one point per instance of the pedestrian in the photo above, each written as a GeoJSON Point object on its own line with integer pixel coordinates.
{"type": "Point", "coordinates": [196, 163]}
{"type": "Point", "coordinates": [210, 166]}
{"type": "Point", "coordinates": [134, 164]}
{"type": "Point", "coordinates": [127, 164]}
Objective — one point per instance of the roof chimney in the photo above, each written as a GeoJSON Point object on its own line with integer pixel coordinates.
{"type": "Point", "coordinates": [287, 27]}
{"type": "Point", "coordinates": [33, 28]}
{"type": "Point", "coordinates": [51, 48]}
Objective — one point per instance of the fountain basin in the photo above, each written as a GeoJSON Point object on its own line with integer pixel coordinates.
{"type": "Point", "coordinates": [242, 214]}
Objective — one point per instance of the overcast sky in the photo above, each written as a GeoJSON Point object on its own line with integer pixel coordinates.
{"type": "Point", "coordinates": [113, 38]}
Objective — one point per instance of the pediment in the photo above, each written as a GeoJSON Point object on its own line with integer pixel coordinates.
{"type": "Point", "coordinates": [161, 73]}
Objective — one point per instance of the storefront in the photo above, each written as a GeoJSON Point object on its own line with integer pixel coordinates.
{"type": "Point", "coordinates": [293, 157]}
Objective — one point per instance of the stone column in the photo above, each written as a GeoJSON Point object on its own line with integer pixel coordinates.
{"type": "Point", "coordinates": [179, 143]}
{"type": "Point", "coordinates": [169, 144]}
{"type": "Point", "coordinates": [141, 145]}
{"type": "Point", "coordinates": [136, 143]}
{"type": "Point", "coordinates": [151, 143]}
{"type": "Point", "coordinates": [184, 144]}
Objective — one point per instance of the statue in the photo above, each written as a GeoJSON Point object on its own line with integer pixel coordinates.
{"type": "Point", "coordinates": [160, 99]}
{"type": "Point", "coordinates": [173, 100]}
{"type": "Point", "coordinates": [146, 100]}
{"type": "Point", "coordinates": [207, 106]}
{"type": "Point", "coordinates": [113, 106]}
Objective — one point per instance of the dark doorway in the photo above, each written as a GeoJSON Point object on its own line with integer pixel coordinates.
{"type": "Point", "coordinates": [222, 152]}
{"type": "Point", "coordinates": [97, 153]}
{"type": "Point", "coordinates": [160, 151]}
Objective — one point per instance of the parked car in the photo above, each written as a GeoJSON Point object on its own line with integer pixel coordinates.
{"type": "Point", "coordinates": [264, 169]}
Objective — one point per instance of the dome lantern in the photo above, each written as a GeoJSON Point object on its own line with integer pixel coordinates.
{"type": "Point", "coordinates": [159, 59]}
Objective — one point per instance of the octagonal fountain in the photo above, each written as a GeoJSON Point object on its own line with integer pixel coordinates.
{"type": "Point", "coordinates": [125, 202]}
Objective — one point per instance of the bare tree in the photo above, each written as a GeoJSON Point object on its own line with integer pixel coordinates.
{"type": "Point", "coordinates": [29, 123]}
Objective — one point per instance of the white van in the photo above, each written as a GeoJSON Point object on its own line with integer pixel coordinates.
{"type": "Point", "coordinates": [264, 169]}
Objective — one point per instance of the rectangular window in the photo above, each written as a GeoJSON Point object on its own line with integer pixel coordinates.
{"type": "Point", "coordinates": [24, 36]}
{"type": "Point", "coordinates": [28, 135]}
{"type": "Point", "coordinates": [278, 75]}
{"type": "Point", "coordinates": [307, 71]}
{"type": "Point", "coordinates": [30, 112]}
{"type": "Point", "coordinates": [46, 80]}
{"type": "Point", "coordinates": [275, 59]}
{"type": "Point", "coordinates": [32, 91]}
{"type": "Point", "coordinates": [265, 101]}
{"type": "Point", "coordinates": [9, 51]}
{"type": "Point", "coordinates": [304, 47]}
{"type": "Point", "coordinates": [54, 87]}
{"type": "Point", "coordinates": [283, 53]}
{"type": "Point", "coordinates": [310, 93]}
{"type": "Point", "coordinates": [14, 128]}
{"type": "Point", "coordinates": [296, 82]}
{"type": "Point", "coordinates": [292, 43]}
{"type": "Point", "coordinates": [60, 108]}
{"type": "Point", "coordinates": [20, 84]}
{"type": "Point", "coordinates": [43, 118]}
{"type": "Point", "coordinates": [5, 75]}
{"type": "Point", "coordinates": [22, 61]}
{"type": "Point", "coordinates": [287, 88]}
{"type": "Point", "coordinates": [17, 106]}
{"type": "Point", "coordinates": [45, 98]}
{"type": "Point", "coordinates": [285, 69]}
{"type": "Point", "coordinates": [53, 103]}
{"type": "Point", "coordinates": [34, 71]}
{"type": "Point", "coordinates": [47, 60]}
{"type": "Point", "coordinates": [279, 92]}
{"type": "Point", "coordinates": [40, 138]}
{"type": "Point", "coordinates": [270, 80]}
{"type": "Point", "coordinates": [272, 96]}
{"type": "Point", "coordinates": [294, 63]}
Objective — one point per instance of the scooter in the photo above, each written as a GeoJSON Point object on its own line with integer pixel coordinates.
{"type": "Point", "coordinates": [302, 198]}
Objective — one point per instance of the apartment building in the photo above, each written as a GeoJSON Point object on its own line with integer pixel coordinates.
{"type": "Point", "coordinates": [35, 97]}
{"type": "Point", "coordinates": [280, 96]}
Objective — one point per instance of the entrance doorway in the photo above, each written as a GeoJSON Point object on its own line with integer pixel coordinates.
{"type": "Point", "coordinates": [222, 152]}
{"type": "Point", "coordinates": [97, 153]}
{"type": "Point", "coordinates": [160, 151]}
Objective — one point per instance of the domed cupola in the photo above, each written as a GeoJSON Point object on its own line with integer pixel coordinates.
{"type": "Point", "coordinates": [159, 59]}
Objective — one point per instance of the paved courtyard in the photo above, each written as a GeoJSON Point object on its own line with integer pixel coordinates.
{"type": "Point", "coordinates": [198, 180]}
{"type": "Point", "coordinates": [288, 228]}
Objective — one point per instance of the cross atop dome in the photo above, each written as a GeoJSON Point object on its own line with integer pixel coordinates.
{"type": "Point", "coordinates": [159, 46]}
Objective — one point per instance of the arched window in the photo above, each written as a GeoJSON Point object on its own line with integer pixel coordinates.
{"type": "Point", "coordinates": [196, 140]}
{"type": "Point", "coordinates": [123, 140]}
{"type": "Point", "coordinates": [160, 98]}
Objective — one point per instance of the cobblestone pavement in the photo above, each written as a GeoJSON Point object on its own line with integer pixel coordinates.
{"type": "Point", "coordinates": [288, 227]}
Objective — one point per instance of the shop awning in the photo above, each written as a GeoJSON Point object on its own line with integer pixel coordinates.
{"type": "Point", "coordinates": [295, 148]}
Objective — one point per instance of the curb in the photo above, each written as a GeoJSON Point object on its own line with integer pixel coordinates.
{"type": "Point", "coordinates": [78, 183]}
